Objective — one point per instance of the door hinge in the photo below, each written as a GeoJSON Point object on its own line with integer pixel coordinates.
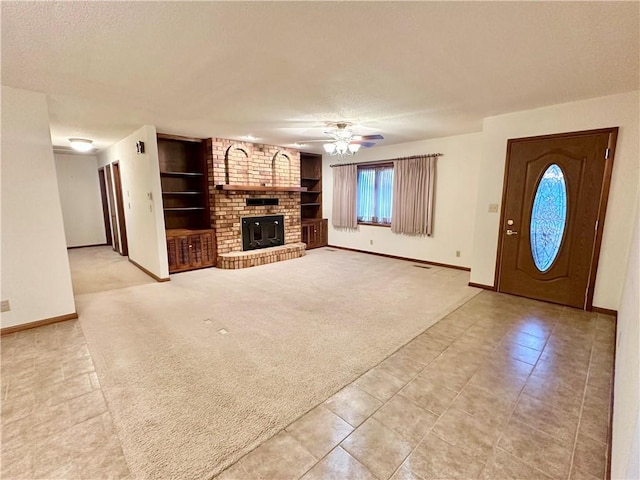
{"type": "Point", "coordinates": [606, 153]}
{"type": "Point", "coordinates": [597, 225]}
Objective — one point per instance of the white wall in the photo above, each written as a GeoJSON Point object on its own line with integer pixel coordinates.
{"type": "Point", "coordinates": [456, 185]}
{"type": "Point", "coordinates": [142, 195]}
{"type": "Point", "coordinates": [611, 111]}
{"type": "Point", "coordinates": [80, 199]}
{"type": "Point", "coordinates": [35, 267]}
{"type": "Point", "coordinates": [625, 455]}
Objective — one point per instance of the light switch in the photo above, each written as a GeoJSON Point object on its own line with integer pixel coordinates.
{"type": "Point", "coordinates": [493, 208]}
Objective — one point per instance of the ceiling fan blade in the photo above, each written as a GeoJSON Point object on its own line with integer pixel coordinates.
{"type": "Point", "coordinates": [365, 144]}
{"type": "Point", "coordinates": [368, 137]}
{"type": "Point", "coordinates": [326, 140]}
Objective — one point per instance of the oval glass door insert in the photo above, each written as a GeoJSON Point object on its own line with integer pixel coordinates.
{"type": "Point", "coordinates": [548, 217]}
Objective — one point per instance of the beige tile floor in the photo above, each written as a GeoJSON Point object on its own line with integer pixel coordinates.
{"type": "Point", "coordinates": [501, 388]}
{"type": "Point", "coordinates": [55, 423]}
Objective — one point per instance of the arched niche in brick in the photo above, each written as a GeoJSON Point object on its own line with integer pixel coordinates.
{"type": "Point", "coordinates": [281, 169]}
{"type": "Point", "coordinates": [236, 165]}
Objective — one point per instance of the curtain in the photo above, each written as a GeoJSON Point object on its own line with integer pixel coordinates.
{"type": "Point", "coordinates": [413, 193]}
{"type": "Point", "coordinates": [345, 189]}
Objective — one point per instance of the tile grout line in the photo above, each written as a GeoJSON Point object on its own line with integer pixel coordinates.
{"type": "Point", "coordinates": [495, 444]}
{"type": "Point", "coordinates": [458, 394]}
{"type": "Point", "coordinates": [391, 398]}
{"type": "Point", "coordinates": [497, 441]}
{"type": "Point", "coordinates": [352, 383]}
{"type": "Point", "coordinates": [579, 416]}
{"type": "Point", "coordinates": [447, 409]}
{"type": "Point", "coordinates": [584, 396]}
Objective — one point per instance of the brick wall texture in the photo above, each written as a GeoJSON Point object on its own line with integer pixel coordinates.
{"type": "Point", "coordinates": [257, 165]}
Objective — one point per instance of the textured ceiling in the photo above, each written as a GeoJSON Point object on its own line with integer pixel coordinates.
{"type": "Point", "coordinates": [278, 71]}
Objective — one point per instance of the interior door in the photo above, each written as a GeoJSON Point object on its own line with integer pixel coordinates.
{"type": "Point", "coordinates": [105, 205]}
{"type": "Point", "coordinates": [554, 201]}
{"type": "Point", "coordinates": [112, 210]}
{"type": "Point", "coordinates": [117, 181]}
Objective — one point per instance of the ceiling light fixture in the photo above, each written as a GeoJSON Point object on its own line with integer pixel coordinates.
{"type": "Point", "coordinates": [81, 144]}
{"type": "Point", "coordinates": [341, 144]}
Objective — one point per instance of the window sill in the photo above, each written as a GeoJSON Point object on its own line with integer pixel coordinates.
{"type": "Point", "coordinates": [375, 224]}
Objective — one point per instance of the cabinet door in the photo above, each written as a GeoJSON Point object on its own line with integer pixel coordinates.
{"type": "Point", "coordinates": [208, 246]}
{"type": "Point", "coordinates": [311, 234]}
{"type": "Point", "coordinates": [195, 251]}
{"type": "Point", "coordinates": [305, 234]}
{"type": "Point", "coordinates": [172, 253]}
{"type": "Point", "coordinates": [315, 235]}
{"type": "Point", "coordinates": [183, 257]}
{"type": "Point", "coordinates": [323, 240]}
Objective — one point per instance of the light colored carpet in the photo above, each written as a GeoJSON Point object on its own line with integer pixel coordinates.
{"type": "Point", "coordinates": [98, 269]}
{"type": "Point", "coordinates": [187, 400]}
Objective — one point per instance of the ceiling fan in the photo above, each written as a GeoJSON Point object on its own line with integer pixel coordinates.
{"type": "Point", "coordinates": [342, 141]}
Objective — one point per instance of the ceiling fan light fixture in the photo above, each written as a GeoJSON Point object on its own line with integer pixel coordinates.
{"type": "Point", "coordinates": [344, 142]}
{"type": "Point", "coordinates": [341, 147]}
{"type": "Point", "coordinates": [329, 148]}
{"type": "Point", "coordinates": [81, 144]}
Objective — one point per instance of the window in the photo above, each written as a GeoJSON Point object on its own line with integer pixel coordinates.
{"type": "Point", "coordinates": [375, 194]}
{"type": "Point", "coordinates": [548, 218]}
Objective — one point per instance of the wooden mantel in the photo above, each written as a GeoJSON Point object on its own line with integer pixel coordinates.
{"type": "Point", "coordinates": [259, 188]}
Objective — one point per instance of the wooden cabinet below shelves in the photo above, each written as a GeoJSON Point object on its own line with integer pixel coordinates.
{"type": "Point", "coordinates": [190, 249]}
{"type": "Point", "coordinates": [314, 232]}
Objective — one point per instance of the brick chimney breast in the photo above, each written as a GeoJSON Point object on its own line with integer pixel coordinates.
{"type": "Point", "coordinates": [253, 165]}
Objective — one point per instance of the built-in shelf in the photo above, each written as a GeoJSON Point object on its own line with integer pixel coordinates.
{"type": "Point", "coordinates": [254, 188]}
{"type": "Point", "coordinates": [314, 228]}
{"type": "Point", "coordinates": [182, 209]}
{"type": "Point", "coordinates": [182, 174]}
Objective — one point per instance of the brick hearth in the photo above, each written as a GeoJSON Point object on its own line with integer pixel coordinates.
{"type": "Point", "coordinates": [263, 256]}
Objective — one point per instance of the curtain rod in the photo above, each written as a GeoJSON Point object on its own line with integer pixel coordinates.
{"type": "Point", "coordinates": [390, 160]}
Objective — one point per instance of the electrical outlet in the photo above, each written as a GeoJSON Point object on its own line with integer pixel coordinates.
{"type": "Point", "coordinates": [370, 242]}
{"type": "Point", "coordinates": [457, 253]}
{"type": "Point", "coordinates": [5, 306]}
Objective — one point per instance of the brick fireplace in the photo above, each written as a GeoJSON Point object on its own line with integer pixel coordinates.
{"type": "Point", "coordinates": [242, 174]}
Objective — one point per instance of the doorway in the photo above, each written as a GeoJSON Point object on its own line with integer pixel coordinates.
{"type": "Point", "coordinates": [122, 226]}
{"type": "Point", "coordinates": [553, 207]}
{"type": "Point", "coordinates": [105, 206]}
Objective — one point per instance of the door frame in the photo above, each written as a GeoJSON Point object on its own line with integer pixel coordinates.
{"type": "Point", "coordinates": [602, 204]}
{"type": "Point", "coordinates": [105, 205]}
{"type": "Point", "coordinates": [122, 226]}
{"type": "Point", "coordinates": [113, 216]}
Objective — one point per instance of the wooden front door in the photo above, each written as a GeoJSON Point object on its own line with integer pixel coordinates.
{"type": "Point", "coordinates": [553, 208]}
{"type": "Point", "coordinates": [112, 210]}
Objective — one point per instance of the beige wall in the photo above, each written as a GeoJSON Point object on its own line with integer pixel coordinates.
{"type": "Point", "coordinates": [142, 197]}
{"type": "Point", "coordinates": [625, 455]}
{"type": "Point", "coordinates": [35, 267]}
{"type": "Point", "coordinates": [80, 199]}
{"type": "Point", "coordinates": [612, 111]}
{"type": "Point", "coordinates": [456, 186]}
